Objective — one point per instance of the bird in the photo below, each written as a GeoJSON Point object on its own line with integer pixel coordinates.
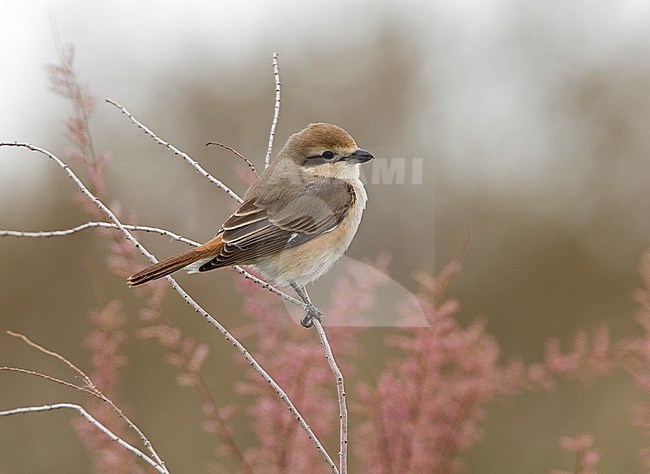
{"type": "Point", "coordinates": [296, 220]}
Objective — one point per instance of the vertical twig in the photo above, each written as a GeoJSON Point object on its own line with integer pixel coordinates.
{"type": "Point", "coordinates": [276, 111]}
{"type": "Point", "coordinates": [340, 387]}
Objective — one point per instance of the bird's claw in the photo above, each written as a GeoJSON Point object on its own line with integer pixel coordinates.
{"type": "Point", "coordinates": [312, 313]}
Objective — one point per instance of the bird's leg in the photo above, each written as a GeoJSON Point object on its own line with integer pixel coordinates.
{"type": "Point", "coordinates": [312, 311]}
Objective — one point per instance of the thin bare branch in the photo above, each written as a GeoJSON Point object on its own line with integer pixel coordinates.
{"type": "Point", "coordinates": [276, 111]}
{"type": "Point", "coordinates": [340, 387]}
{"type": "Point", "coordinates": [242, 157]}
{"type": "Point", "coordinates": [90, 225]}
{"type": "Point", "coordinates": [71, 406]}
{"type": "Point", "coordinates": [177, 152]}
{"type": "Point", "coordinates": [229, 337]}
{"type": "Point", "coordinates": [81, 373]}
{"type": "Point", "coordinates": [51, 379]}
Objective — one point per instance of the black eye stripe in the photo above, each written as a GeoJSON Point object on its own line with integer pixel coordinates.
{"type": "Point", "coordinates": [324, 157]}
{"type": "Point", "coordinates": [315, 160]}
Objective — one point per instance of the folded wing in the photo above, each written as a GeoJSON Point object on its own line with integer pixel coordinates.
{"type": "Point", "coordinates": [297, 215]}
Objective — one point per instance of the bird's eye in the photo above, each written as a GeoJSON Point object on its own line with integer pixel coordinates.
{"type": "Point", "coordinates": [328, 155]}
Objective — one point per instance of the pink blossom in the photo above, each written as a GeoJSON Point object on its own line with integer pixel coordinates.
{"type": "Point", "coordinates": [586, 456]}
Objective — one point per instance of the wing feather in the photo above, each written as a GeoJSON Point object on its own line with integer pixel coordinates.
{"type": "Point", "coordinates": [259, 228]}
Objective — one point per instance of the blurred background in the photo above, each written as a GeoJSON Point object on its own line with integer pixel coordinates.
{"type": "Point", "coordinates": [531, 121]}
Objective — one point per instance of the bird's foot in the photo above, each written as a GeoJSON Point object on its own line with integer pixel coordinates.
{"type": "Point", "coordinates": [312, 313]}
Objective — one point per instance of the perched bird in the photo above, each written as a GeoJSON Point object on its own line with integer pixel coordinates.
{"type": "Point", "coordinates": [296, 220]}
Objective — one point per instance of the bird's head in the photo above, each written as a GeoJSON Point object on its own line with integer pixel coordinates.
{"type": "Point", "coordinates": [323, 149]}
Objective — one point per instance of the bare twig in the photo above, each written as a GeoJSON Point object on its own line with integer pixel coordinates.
{"type": "Point", "coordinates": [229, 337]}
{"type": "Point", "coordinates": [242, 157]}
{"type": "Point", "coordinates": [26, 340]}
{"type": "Point", "coordinates": [340, 388]}
{"type": "Point", "coordinates": [158, 467]}
{"type": "Point", "coordinates": [276, 111]}
{"type": "Point", "coordinates": [105, 225]}
{"type": "Point", "coordinates": [50, 378]}
{"type": "Point", "coordinates": [199, 169]}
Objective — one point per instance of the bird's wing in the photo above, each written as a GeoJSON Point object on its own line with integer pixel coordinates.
{"type": "Point", "coordinates": [260, 227]}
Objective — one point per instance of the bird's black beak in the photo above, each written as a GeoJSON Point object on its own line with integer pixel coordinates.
{"type": "Point", "coordinates": [359, 156]}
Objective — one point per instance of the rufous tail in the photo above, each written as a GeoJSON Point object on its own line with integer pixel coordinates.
{"type": "Point", "coordinates": [172, 264]}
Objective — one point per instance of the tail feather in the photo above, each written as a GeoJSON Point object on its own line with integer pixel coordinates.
{"type": "Point", "coordinates": [172, 264]}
